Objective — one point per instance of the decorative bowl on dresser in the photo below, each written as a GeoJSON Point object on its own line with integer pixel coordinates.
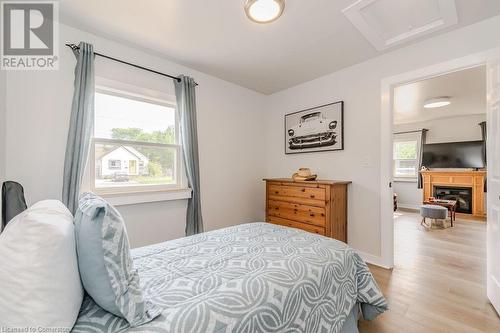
{"type": "Point", "coordinates": [318, 206]}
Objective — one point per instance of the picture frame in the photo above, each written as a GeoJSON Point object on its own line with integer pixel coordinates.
{"type": "Point", "coordinates": [316, 129]}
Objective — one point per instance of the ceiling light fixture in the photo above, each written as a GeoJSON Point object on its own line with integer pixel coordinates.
{"type": "Point", "coordinates": [437, 102]}
{"type": "Point", "coordinates": [264, 11]}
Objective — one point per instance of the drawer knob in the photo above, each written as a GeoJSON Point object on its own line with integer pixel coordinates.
{"type": "Point", "coordinates": [312, 215]}
{"type": "Point", "coordinates": [312, 196]}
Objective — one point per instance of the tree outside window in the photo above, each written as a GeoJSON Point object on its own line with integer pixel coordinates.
{"type": "Point", "coordinates": [405, 159]}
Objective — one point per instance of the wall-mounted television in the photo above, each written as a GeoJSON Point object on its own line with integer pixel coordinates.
{"type": "Point", "coordinates": [468, 154]}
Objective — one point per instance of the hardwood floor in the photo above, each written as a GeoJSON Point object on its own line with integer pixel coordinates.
{"type": "Point", "coordinates": [438, 283]}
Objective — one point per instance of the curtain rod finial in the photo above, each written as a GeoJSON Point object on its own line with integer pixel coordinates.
{"type": "Point", "coordinates": [72, 46]}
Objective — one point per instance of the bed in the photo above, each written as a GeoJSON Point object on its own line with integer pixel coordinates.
{"type": "Point", "coordinates": [255, 277]}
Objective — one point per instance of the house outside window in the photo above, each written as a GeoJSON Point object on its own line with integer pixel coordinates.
{"type": "Point", "coordinates": [135, 147]}
{"type": "Point", "coordinates": [405, 155]}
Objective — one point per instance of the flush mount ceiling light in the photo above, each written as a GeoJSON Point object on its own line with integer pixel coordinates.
{"type": "Point", "coordinates": [437, 102]}
{"type": "Point", "coordinates": [264, 11]}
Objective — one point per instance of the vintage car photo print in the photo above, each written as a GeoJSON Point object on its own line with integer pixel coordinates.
{"type": "Point", "coordinates": [316, 129]}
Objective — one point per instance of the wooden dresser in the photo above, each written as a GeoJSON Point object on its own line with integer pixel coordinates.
{"type": "Point", "coordinates": [315, 206]}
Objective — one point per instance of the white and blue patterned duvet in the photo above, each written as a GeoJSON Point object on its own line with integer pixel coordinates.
{"type": "Point", "coordinates": [256, 277]}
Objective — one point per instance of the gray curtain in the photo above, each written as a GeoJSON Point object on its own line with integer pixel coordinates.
{"type": "Point", "coordinates": [186, 106]}
{"type": "Point", "coordinates": [80, 126]}
{"type": "Point", "coordinates": [420, 181]}
{"type": "Point", "coordinates": [484, 136]}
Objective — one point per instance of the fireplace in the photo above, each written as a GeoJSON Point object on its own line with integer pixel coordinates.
{"type": "Point", "coordinates": [461, 181]}
{"type": "Point", "coordinates": [463, 195]}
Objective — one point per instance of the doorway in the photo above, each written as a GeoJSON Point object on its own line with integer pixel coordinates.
{"type": "Point", "coordinates": [132, 165]}
{"type": "Point", "coordinates": [435, 268]}
{"type": "Point", "coordinates": [439, 127]}
{"type": "Point", "coordinates": [388, 86]}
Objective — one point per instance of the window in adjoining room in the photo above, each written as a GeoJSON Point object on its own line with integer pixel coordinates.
{"type": "Point", "coordinates": [405, 159]}
{"type": "Point", "coordinates": [135, 147]}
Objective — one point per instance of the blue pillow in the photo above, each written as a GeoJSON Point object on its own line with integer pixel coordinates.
{"type": "Point", "coordinates": [105, 263]}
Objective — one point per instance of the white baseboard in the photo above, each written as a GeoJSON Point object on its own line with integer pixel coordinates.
{"type": "Point", "coordinates": [375, 260]}
{"type": "Point", "coordinates": [409, 206]}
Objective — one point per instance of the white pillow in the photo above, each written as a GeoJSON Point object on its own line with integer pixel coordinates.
{"type": "Point", "coordinates": [40, 285]}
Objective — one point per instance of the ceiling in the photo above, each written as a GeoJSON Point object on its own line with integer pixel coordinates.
{"type": "Point", "coordinates": [466, 88]}
{"type": "Point", "coordinates": [311, 39]}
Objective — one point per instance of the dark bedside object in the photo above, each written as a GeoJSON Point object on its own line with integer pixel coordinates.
{"type": "Point", "coordinates": [13, 201]}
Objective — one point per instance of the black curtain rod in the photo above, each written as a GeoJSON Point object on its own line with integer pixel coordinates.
{"type": "Point", "coordinates": [416, 131]}
{"type": "Point", "coordinates": [76, 47]}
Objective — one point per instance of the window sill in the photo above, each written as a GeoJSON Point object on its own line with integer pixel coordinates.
{"type": "Point", "coordinates": [123, 199]}
{"type": "Point", "coordinates": [405, 180]}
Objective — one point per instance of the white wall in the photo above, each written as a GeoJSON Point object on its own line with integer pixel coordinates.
{"type": "Point", "coordinates": [454, 129]}
{"type": "Point", "coordinates": [465, 128]}
{"type": "Point", "coordinates": [360, 87]}
{"type": "Point", "coordinates": [2, 127]}
{"type": "Point", "coordinates": [229, 123]}
{"type": "Point", "coordinates": [409, 196]}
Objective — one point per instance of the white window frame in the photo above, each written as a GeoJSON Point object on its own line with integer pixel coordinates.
{"type": "Point", "coordinates": [180, 184]}
{"type": "Point", "coordinates": [409, 137]}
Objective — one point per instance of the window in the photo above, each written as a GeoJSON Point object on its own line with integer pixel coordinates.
{"type": "Point", "coordinates": [114, 164]}
{"type": "Point", "coordinates": [405, 159]}
{"type": "Point", "coordinates": [135, 145]}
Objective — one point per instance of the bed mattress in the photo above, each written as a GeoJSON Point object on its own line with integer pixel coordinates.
{"type": "Point", "coordinates": [255, 277]}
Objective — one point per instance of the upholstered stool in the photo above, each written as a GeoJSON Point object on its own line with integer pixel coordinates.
{"type": "Point", "coordinates": [433, 212]}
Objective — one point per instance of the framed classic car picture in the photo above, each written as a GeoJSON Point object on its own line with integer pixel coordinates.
{"type": "Point", "coordinates": [316, 129]}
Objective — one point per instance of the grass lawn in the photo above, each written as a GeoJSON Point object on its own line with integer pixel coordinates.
{"type": "Point", "coordinates": [152, 180]}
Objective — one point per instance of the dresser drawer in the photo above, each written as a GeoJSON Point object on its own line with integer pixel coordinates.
{"type": "Point", "coordinates": [297, 212]}
{"type": "Point", "coordinates": [300, 201]}
{"type": "Point", "coordinates": [294, 224]}
{"type": "Point", "coordinates": [316, 193]}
